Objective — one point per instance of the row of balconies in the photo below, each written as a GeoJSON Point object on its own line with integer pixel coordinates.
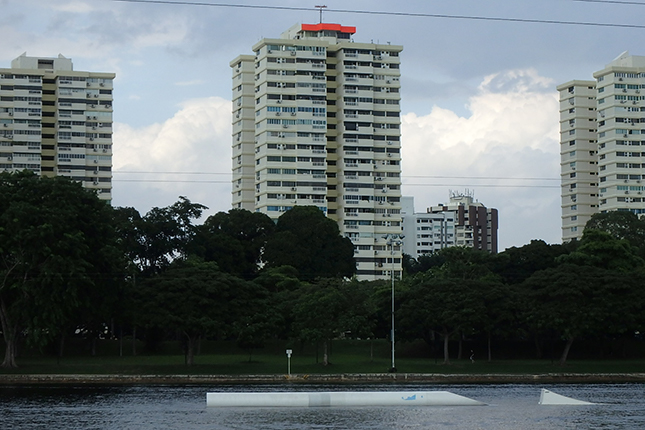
{"type": "Point", "coordinates": [370, 117]}
{"type": "Point", "coordinates": [102, 83]}
{"type": "Point", "coordinates": [108, 84]}
{"type": "Point", "coordinates": [83, 106]}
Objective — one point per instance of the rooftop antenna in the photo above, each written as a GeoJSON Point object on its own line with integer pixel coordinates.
{"type": "Point", "coordinates": [320, 8]}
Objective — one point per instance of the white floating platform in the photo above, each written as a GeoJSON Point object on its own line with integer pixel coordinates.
{"type": "Point", "coordinates": [340, 398]}
{"type": "Point", "coordinates": [550, 398]}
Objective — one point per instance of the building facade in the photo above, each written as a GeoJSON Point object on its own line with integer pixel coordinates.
{"type": "Point", "coordinates": [56, 121]}
{"type": "Point", "coordinates": [462, 222]}
{"type": "Point", "coordinates": [475, 225]}
{"type": "Point", "coordinates": [426, 232]}
{"type": "Point", "coordinates": [316, 121]}
{"type": "Point", "coordinates": [602, 146]}
{"type": "Point", "coordinates": [578, 156]}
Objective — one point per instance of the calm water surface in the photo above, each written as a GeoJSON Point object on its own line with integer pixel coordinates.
{"type": "Point", "coordinates": [622, 406]}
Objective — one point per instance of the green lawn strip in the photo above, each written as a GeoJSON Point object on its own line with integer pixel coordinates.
{"type": "Point", "coordinates": [276, 365]}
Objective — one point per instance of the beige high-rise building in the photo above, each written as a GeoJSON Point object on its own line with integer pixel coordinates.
{"type": "Point", "coordinates": [602, 143]}
{"type": "Point", "coordinates": [57, 121]}
{"type": "Point", "coordinates": [316, 121]}
{"type": "Point", "coordinates": [578, 156]}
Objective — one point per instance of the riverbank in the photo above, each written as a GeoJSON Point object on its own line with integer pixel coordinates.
{"type": "Point", "coordinates": [398, 378]}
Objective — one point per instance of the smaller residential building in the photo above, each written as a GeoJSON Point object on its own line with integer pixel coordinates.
{"type": "Point", "coordinates": [462, 222]}
{"type": "Point", "coordinates": [425, 232]}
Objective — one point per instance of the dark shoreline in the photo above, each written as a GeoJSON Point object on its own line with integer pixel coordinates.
{"type": "Point", "coordinates": [397, 378]}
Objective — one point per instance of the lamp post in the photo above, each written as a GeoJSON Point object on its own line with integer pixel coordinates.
{"type": "Point", "coordinates": [393, 239]}
{"type": "Point", "coordinates": [289, 352]}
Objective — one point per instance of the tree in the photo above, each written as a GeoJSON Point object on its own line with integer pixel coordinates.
{"type": "Point", "coordinates": [460, 262]}
{"type": "Point", "coordinates": [128, 226]}
{"type": "Point", "coordinates": [455, 295]}
{"type": "Point", "coordinates": [515, 265]}
{"type": "Point", "coordinates": [283, 284]}
{"type": "Point", "coordinates": [573, 301]}
{"type": "Point", "coordinates": [56, 256]}
{"type": "Point", "coordinates": [331, 308]}
{"type": "Point", "coordinates": [165, 234]}
{"type": "Point", "coordinates": [600, 249]}
{"type": "Point", "coordinates": [441, 304]}
{"type": "Point", "coordinates": [310, 242]}
{"type": "Point", "coordinates": [422, 264]}
{"type": "Point", "coordinates": [198, 299]}
{"type": "Point", "coordinates": [620, 225]}
{"type": "Point", "coordinates": [235, 240]}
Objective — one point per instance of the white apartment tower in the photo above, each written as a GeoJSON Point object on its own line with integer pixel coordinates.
{"type": "Point", "coordinates": [602, 143]}
{"type": "Point", "coordinates": [578, 156]}
{"type": "Point", "coordinates": [57, 121]}
{"type": "Point", "coordinates": [316, 121]}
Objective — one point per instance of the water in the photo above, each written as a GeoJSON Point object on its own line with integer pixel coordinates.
{"type": "Point", "coordinates": [622, 406]}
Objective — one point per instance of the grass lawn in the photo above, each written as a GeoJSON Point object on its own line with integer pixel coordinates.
{"type": "Point", "coordinates": [221, 358]}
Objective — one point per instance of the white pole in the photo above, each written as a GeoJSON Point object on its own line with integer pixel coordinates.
{"type": "Point", "coordinates": [393, 369]}
{"type": "Point", "coordinates": [289, 362]}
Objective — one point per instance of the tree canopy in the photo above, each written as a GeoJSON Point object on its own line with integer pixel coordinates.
{"type": "Point", "coordinates": [620, 225]}
{"type": "Point", "coordinates": [235, 240]}
{"type": "Point", "coordinates": [198, 299]}
{"type": "Point", "coordinates": [310, 242]}
{"type": "Point", "coordinates": [57, 253]}
{"type": "Point", "coordinates": [70, 265]}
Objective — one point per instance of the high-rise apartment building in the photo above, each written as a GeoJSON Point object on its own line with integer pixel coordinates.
{"type": "Point", "coordinates": [578, 156]}
{"type": "Point", "coordinates": [57, 121]}
{"type": "Point", "coordinates": [316, 121]}
{"type": "Point", "coordinates": [602, 146]}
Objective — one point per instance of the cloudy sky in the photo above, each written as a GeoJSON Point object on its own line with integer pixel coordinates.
{"type": "Point", "coordinates": [479, 104]}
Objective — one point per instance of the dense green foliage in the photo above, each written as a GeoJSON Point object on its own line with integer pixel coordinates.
{"type": "Point", "coordinates": [74, 268]}
{"type": "Point", "coordinates": [58, 259]}
{"type": "Point", "coordinates": [310, 242]}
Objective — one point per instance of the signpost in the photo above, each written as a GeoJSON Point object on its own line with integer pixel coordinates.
{"type": "Point", "coordinates": [289, 352]}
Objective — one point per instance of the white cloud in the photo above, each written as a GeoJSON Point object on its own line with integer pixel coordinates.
{"type": "Point", "coordinates": [511, 135]}
{"type": "Point", "coordinates": [101, 31]}
{"type": "Point", "coordinates": [190, 83]}
{"type": "Point", "coordinates": [190, 153]}
{"type": "Point", "coordinates": [75, 6]}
